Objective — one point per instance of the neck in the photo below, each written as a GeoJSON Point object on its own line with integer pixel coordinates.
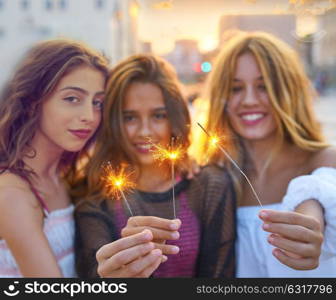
{"type": "Point", "coordinates": [154, 179]}
{"type": "Point", "coordinates": [259, 154]}
{"type": "Point", "coordinates": [47, 156]}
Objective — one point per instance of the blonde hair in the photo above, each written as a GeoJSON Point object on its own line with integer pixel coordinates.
{"type": "Point", "coordinates": [289, 92]}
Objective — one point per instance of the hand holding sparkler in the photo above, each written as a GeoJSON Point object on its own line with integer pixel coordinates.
{"type": "Point", "coordinates": [214, 142]}
{"type": "Point", "coordinates": [132, 256]}
{"type": "Point", "coordinates": [296, 235]}
{"type": "Point", "coordinates": [116, 182]}
{"type": "Point", "coordinates": [162, 230]}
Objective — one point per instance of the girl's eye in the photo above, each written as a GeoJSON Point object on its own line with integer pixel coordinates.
{"type": "Point", "coordinates": [262, 87]}
{"type": "Point", "coordinates": [72, 99]}
{"type": "Point", "coordinates": [236, 89]}
{"type": "Point", "coordinates": [160, 116]}
{"type": "Point", "coordinates": [98, 104]}
{"type": "Point", "coordinates": [128, 118]}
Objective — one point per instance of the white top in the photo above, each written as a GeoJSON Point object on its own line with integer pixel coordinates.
{"type": "Point", "coordinates": [59, 228]}
{"type": "Point", "coordinates": [254, 254]}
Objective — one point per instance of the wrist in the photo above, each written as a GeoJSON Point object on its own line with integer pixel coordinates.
{"type": "Point", "coordinates": [313, 208]}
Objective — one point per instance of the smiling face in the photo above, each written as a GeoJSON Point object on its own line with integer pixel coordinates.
{"type": "Point", "coordinates": [72, 112]}
{"type": "Point", "coordinates": [249, 110]}
{"type": "Point", "coordinates": [145, 119]}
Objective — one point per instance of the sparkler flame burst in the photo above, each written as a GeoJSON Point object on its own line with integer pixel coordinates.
{"type": "Point", "coordinates": [171, 153]}
{"type": "Point", "coordinates": [214, 141]}
{"type": "Point", "coordinates": [116, 181]}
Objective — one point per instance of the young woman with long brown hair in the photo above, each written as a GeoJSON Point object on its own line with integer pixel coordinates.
{"type": "Point", "coordinates": [50, 111]}
{"type": "Point", "coordinates": [261, 102]}
{"type": "Point", "coordinates": [144, 109]}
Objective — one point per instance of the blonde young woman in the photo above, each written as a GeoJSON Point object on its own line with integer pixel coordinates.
{"type": "Point", "coordinates": [261, 102]}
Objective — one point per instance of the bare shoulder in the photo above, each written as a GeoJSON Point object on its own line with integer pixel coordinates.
{"type": "Point", "coordinates": [17, 202]}
{"type": "Point", "coordinates": [13, 187]}
{"type": "Point", "coordinates": [8, 179]}
{"type": "Point", "coordinates": [324, 158]}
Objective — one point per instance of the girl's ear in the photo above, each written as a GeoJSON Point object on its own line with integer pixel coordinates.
{"type": "Point", "coordinates": [32, 110]}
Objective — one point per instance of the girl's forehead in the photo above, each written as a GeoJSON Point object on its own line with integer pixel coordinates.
{"type": "Point", "coordinates": [247, 67]}
{"type": "Point", "coordinates": [141, 95]}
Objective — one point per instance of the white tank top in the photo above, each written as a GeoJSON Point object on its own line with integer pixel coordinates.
{"type": "Point", "coordinates": [59, 229]}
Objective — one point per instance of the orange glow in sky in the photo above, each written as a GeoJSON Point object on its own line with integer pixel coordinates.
{"type": "Point", "coordinates": [164, 22]}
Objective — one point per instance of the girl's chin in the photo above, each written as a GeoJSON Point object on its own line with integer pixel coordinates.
{"type": "Point", "coordinates": [72, 148]}
{"type": "Point", "coordinates": [146, 161]}
{"type": "Point", "coordinates": [148, 165]}
{"type": "Point", "coordinates": [255, 137]}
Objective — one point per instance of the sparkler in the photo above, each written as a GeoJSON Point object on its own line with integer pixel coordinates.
{"type": "Point", "coordinates": [214, 141]}
{"type": "Point", "coordinates": [173, 153]}
{"type": "Point", "coordinates": [117, 182]}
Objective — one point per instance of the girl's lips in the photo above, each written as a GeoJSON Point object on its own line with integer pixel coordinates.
{"type": "Point", "coordinates": [252, 118]}
{"type": "Point", "coordinates": [82, 133]}
{"type": "Point", "coordinates": [144, 148]}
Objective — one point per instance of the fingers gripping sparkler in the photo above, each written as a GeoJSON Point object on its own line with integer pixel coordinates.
{"type": "Point", "coordinates": [214, 141]}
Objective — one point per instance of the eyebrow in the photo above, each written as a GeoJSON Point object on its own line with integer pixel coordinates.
{"type": "Point", "coordinates": [100, 93]}
{"type": "Point", "coordinates": [160, 109]}
{"type": "Point", "coordinates": [259, 78]}
{"type": "Point", "coordinates": [78, 89]}
{"type": "Point", "coordinates": [155, 109]}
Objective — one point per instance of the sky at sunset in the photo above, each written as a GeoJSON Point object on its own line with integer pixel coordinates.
{"type": "Point", "coordinates": [162, 22]}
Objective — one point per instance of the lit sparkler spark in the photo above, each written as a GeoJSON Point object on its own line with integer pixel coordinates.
{"type": "Point", "coordinates": [214, 141]}
{"type": "Point", "coordinates": [117, 182]}
{"type": "Point", "coordinates": [172, 153]}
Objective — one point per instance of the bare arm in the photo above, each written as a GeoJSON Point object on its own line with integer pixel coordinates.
{"type": "Point", "coordinates": [21, 226]}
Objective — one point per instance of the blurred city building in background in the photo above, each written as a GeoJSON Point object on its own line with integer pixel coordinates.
{"type": "Point", "coordinates": [123, 27]}
{"type": "Point", "coordinates": [188, 33]}
{"type": "Point", "coordinates": [107, 25]}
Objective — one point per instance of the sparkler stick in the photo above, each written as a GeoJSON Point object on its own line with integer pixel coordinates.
{"type": "Point", "coordinates": [127, 204]}
{"type": "Point", "coordinates": [173, 153]}
{"type": "Point", "coordinates": [214, 142]}
{"type": "Point", "coordinates": [173, 156]}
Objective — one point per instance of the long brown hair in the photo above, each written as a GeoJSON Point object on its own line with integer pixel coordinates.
{"type": "Point", "coordinates": [112, 143]}
{"type": "Point", "coordinates": [289, 92]}
{"type": "Point", "coordinates": [21, 101]}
